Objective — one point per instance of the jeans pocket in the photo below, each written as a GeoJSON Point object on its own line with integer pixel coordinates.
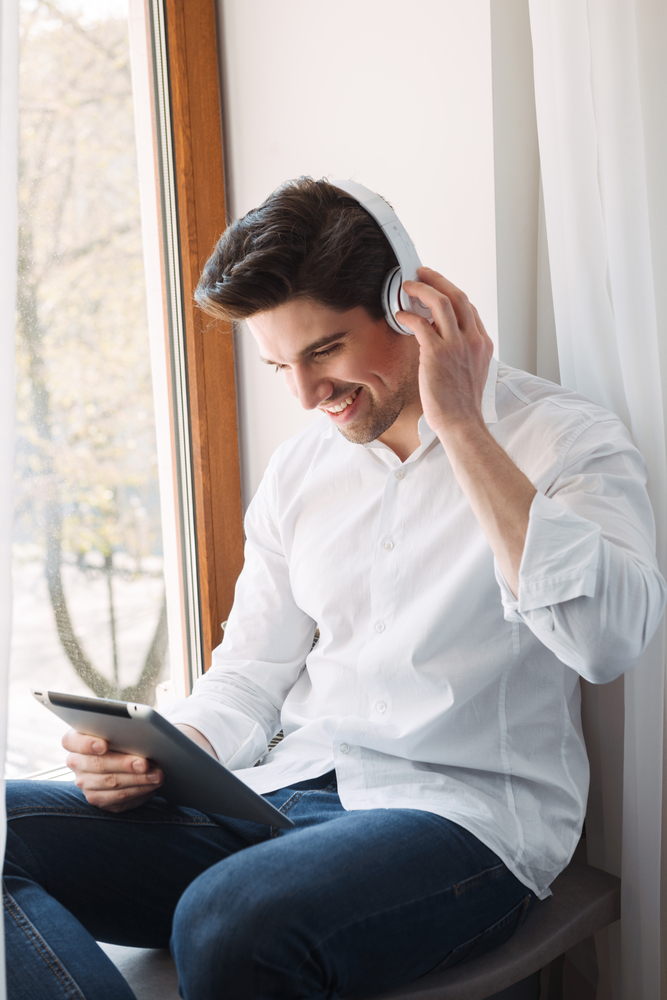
{"type": "Point", "coordinates": [491, 937]}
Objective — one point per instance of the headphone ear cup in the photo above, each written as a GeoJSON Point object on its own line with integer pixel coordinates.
{"type": "Point", "coordinates": [391, 299]}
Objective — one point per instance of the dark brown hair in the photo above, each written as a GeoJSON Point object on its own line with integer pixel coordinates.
{"type": "Point", "coordinates": [307, 240]}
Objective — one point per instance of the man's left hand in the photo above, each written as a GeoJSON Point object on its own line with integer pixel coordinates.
{"type": "Point", "coordinates": [454, 352]}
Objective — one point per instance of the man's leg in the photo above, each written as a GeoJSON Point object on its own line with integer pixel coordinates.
{"type": "Point", "coordinates": [74, 874]}
{"type": "Point", "coordinates": [347, 903]}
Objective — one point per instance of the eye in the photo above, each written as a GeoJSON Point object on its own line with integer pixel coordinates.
{"type": "Point", "coordinates": [327, 351]}
{"type": "Point", "coordinates": [278, 368]}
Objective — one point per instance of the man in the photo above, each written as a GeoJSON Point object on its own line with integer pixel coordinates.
{"type": "Point", "coordinates": [468, 540]}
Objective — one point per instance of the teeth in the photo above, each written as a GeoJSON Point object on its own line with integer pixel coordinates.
{"type": "Point", "coordinates": [344, 404]}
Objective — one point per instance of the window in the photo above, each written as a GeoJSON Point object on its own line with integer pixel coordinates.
{"type": "Point", "coordinates": [127, 460]}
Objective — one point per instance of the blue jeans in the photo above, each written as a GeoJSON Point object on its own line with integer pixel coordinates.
{"type": "Point", "coordinates": [344, 903]}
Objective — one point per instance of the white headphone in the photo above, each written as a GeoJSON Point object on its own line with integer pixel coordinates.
{"type": "Point", "coordinates": [393, 296]}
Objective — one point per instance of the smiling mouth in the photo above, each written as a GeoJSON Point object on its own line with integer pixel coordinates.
{"type": "Point", "coordinates": [343, 403]}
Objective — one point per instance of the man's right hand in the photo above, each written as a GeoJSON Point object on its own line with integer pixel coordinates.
{"type": "Point", "coordinates": [110, 780]}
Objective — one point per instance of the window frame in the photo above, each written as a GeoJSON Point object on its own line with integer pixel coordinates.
{"type": "Point", "coordinates": [207, 367]}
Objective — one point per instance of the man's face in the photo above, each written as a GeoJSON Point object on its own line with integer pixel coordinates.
{"type": "Point", "coordinates": [355, 369]}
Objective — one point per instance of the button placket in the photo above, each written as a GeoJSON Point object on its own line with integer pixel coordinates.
{"type": "Point", "coordinates": [382, 584]}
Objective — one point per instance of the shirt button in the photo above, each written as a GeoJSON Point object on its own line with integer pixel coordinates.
{"type": "Point", "coordinates": [379, 626]}
{"type": "Point", "coordinates": [399, 474]}
{"type": "Point", "coordinates": [381, 707]}
{"type": "Point", "coordinates": [388, 546]}
{"type": "Point", "coordinates": [344, 748]}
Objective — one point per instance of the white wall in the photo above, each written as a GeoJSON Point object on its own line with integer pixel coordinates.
{"type": "Point", "coordinates": [517, 174]}
{"type": "Point", "coordinates": [526, 324]}
{"type": "Point", "coordinates": [396, 95]}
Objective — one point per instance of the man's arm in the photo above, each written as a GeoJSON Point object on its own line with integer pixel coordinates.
{"type": "Point", "coordinates": [236, 705]}
{"type": "Point", "coordinates": [575, 562]}
{"type": "Point", "coordinates": [453, 366]}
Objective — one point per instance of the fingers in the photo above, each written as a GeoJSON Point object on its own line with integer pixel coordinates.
{"type": "Point", "coordinates": [115, 781]}
{"type": "Point", "coordinates": [110, 780]}
{"type": "Point", "coordinates": [433, 288]}
{"type": "Point", "coordinates": [480, 325]}
{"type": "Point", "coordinates": [107, 762]}
{"type": "Point", "coordinates": [438, 281]}
{"type": "Point", "coordinates": [421, 327]}
{"type": "Point", "coordinates": [80, 743]}
{"type": "Point", "coordinates": [446, 322]}
{"type": "Point", "coordinates": [120, 799]}
{"type": "Point", "coordinates": [90, 754]}
{"type": "Point", "coordinates": [118, 782]}
{"type": "Point", "coordinates": [133, 770]}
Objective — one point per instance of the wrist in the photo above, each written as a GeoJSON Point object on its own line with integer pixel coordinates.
{"type": "Point", "coordinates": [463, 432]}
{"type": "Point", "coordinates": [197, 738]}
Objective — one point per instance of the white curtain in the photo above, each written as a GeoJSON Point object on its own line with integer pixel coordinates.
{"type": "Point", "coordinates": [601, 104]}
{"type": "Point", "coordinates": [8, 250]}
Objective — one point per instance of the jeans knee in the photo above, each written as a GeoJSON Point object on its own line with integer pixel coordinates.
{"type": "Point", "coordinates": [213, 939]}
{"type": "Point", "coordinates": [202, 922]}
{"type": "Point", "coordinates": [238, 940]}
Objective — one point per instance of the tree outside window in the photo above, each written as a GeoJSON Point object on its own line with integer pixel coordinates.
{"type": "Point", "coordinates": [89, 594]}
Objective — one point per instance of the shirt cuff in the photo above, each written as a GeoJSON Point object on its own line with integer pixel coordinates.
{"type": "Point", "coordinates": [233, 736]}
{"type": "Point", "coordinates": [559, 562]}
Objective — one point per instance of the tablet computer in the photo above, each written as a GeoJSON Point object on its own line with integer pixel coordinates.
{"type": "Point", "coordinates": [192, 777]}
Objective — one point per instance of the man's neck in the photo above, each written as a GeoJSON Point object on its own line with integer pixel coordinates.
{"type": "Point", "coordinates": [403, 435]}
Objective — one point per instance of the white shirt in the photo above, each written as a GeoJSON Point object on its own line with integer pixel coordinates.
{"type": "Point", "coordinates": [431, 686]}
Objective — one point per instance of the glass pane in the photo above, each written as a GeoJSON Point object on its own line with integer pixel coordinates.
{"type": "Point", "coordinates": [88, 584]}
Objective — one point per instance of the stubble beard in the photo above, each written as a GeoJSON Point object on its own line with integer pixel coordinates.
{"type": "Point", "coordinates": [380, 417]}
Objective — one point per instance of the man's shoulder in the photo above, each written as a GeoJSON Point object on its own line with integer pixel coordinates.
{"type": "Point", "coordinates": [546, 427]}
{"type": "Point", "coordinates": [519, 392]}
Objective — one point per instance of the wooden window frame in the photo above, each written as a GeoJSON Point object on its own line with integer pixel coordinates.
{"type": "Point", "coordinates": [198, 169]}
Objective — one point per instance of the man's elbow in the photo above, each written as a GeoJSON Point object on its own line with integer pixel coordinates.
{"type": "Point", "coordinates": [618, 650]}
{"type": "Point", "coordinates": [607, 665]}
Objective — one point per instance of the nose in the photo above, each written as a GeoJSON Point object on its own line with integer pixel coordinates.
{"type": "Point", "coordinates": [309, 387]}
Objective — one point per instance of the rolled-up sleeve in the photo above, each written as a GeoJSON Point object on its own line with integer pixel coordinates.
{"type": "Point", "coordinates": [589, 586]}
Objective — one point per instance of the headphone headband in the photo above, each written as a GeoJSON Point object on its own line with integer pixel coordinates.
{"type": "Point", "coordinates": [393, 296]}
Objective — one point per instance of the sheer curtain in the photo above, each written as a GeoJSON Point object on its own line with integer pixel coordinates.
{"type": "Point", "coordinates": [601, 103]}
{"type": "Point", "coordinates": [8, 251]}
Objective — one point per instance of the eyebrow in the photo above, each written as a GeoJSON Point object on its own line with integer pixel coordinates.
{"type": "Point", "coordinates": [315, 346]}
